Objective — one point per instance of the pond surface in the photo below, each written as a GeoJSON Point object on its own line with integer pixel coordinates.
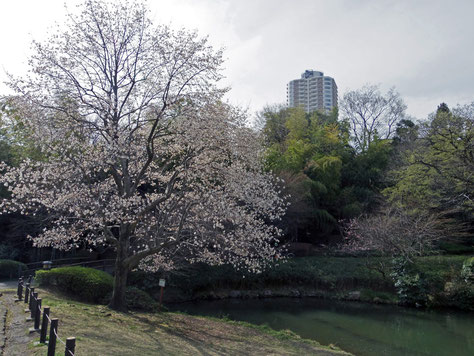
{"type": "Point", "coordinates": [360, 328]}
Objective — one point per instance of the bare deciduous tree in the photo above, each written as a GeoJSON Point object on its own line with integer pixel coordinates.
{"type": "Point", "coordinates": [371, 115]}
{"type": "Point", "coordinates": [394, 232]}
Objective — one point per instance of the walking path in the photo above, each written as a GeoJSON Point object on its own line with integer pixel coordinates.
{"type": "Point", "coordinates": [8, 285]}
{"type": "Point", "coordinates": [14, 336]}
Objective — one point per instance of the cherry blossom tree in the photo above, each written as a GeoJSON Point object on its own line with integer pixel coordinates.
{"type": "Point", "coordinates": [140, 151]}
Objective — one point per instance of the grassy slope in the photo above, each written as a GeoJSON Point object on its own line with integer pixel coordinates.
{"type": "Point", "coordinates": [101, 331]}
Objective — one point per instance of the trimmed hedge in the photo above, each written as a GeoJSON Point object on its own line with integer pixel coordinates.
{"type": "Point", "coordinates": [9, 268]}
{"type": "Point", "coordinates": [87, 284]}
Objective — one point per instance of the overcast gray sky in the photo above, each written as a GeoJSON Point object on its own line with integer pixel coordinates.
{"type": "Point", "coordinates": [423, 48]}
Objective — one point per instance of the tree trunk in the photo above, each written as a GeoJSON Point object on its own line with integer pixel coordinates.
{"type": "Point", "coordinates": [120, 284]}
{"type": "Point", "coordinates": [121, 273]}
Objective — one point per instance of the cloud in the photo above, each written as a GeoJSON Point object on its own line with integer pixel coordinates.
{"type": "Point", "coordinates": [423, 48]}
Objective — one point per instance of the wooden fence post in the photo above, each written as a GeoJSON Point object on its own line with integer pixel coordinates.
{"type": "Point", "coordinates": [20, 289]}
{"type": "Point", "coordinates": [37, 314]}
{"type": "Point", "coordinates": [27, 292]}
{"type": "Point", "coordinates": [70, 346]}
{"type": "Point", "coordinates": [44, 325]}
{"type": "Point", "coordinates": [52, 337]}
{"type": "Point", "coordinates": [34, 304]}
{"type": "Point", "coordinates": [30, 304]}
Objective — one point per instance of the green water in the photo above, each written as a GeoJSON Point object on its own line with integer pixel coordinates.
{"type": "Point", "coordinates": [360, 328]}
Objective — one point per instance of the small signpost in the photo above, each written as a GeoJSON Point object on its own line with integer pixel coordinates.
{"type": "Point", "coordinates": [162, 284]}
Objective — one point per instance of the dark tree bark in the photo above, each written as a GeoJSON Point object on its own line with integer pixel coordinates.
{"type": "Point", "coordinates": [121, 272]}
{"type": "Point", "coordinates": [120, 286]}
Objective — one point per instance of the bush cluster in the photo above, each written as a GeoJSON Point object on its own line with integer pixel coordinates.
{"type": "Point", "coordinates": [467, 272]}
{"type": "Point", "coordinates": [410, 283]}
{"type": "Point", "coordinates": [8, 252]}
{"type": "Point", "coordinates": [86, 284]}
{"type": "Point", "coordinates": [429, 281]}
{"type": "Point", "coordinates": [136, 299]}
{"type": "Point", "coordinates": [435, 281]}
{"type": "Point", "coordinates": [10, 268]}
{"type": "Point", "coordinates": [327, 273]}
{"type": "Point", "coordinates": [139, 300]}
{"type": "Point", "coordinates": [460, 292]}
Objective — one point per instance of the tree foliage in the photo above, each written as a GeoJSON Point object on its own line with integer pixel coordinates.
{"type": "Point", "coordinates": [305, 150]}
{"type": "Point", "coordinates": [326, 179]}
{"type": "Point", "coordinates": [436, 165]}
{"type": "Point", "coordinates": [15, 140]}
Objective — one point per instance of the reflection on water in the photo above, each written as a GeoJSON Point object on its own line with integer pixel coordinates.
{"type": "Point", "coordinates": [363, 329]}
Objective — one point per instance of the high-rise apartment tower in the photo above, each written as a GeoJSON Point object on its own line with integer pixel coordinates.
{"type": "Point", "coordinates": [314, 91]}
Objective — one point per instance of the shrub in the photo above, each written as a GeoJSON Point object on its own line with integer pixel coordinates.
{"type": "Point", "coordinates": [459, 294]}
{"type": "Point", "coordinates": [140, 300]}
{"type": "Point", "coordinates": [145, 281]}
{"type": "Point", "coordinates": [87, 284]}
{"type": "Point", "coordinates": [8, 252]}
{"type": "Point", "coordinates": [453, 248]}
{"type": "Point", "coordinates": [409, 283]}
{"type": "Point", "coordinates": [467, 271]}
{"type": "Point", "coordinates": [136, 299]}
{"type": "Point", "coordinates": [317, 272]}
{"type": "Point", "coordinates": [9, 268]}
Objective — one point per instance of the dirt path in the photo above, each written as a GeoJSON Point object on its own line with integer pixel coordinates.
{"type": "Point", "coordinates": [14, 336]}
{"type": "Point", "coordinates": [8, 285]}
{"type": "Point", "coordinates": [3, 322]}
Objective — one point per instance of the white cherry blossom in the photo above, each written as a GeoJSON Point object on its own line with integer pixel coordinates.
{"type": "Point", "coordinates": [141, 152]}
